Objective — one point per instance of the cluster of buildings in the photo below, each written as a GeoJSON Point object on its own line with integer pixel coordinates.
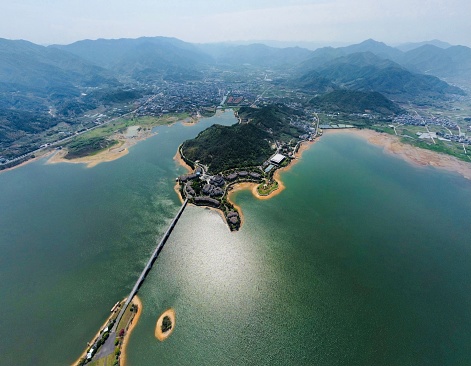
{"type": "Point", "coordinates": [172, 97]}
{"type": "Point", "coordinates": [209, 190]}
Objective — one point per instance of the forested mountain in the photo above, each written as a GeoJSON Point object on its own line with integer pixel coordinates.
{"type": "Point", "coordinates": [243, 144]}
{"type": "Point", "coordinates": [46, 72]}
{"type": "Point", "coordinates": [353, 101]}
{"type": "Point", "coordinates": [433, 58]}
{"type": "Point", "coordinates": [368, 72]}
{"type": "Point", "coordinates": [225, 147]}
{"type": "Point", "coordinates": [454, 61]}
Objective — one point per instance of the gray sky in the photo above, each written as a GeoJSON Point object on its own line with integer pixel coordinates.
{"type": "Point", "coordinates": [346, 21]}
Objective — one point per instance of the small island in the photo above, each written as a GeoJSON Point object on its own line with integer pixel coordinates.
{"type": "Point", "coordinates": [165, 325]}
{"type": "Point", "coordinates": [264, 140]}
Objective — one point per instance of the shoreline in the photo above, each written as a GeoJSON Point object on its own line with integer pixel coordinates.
{"type": "Point", "coordinates": [137, 301]}
{"type": "Point", "coordinates": [252, 186]}
{"type": "Point", "coordinates": [179, 161]}
{"type": "Point", "coordinates": [111, 154]}
{"type": "Point", "coordinates": [411, 154]}
{"type": "Point", "coordinates": [84, 353]}
{"type": "Point", "coordinates": [277, 176]}
{"type": "Point", "coordinates": [119, 150]}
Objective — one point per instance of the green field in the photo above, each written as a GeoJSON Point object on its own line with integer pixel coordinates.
{"type": "Point", "coordinates": [99, 139]}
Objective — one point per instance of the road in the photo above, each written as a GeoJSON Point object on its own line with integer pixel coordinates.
{"type": "Point", "coordinates": [254, 104]}
{"type": "Point", "coordinates": [65, 139]}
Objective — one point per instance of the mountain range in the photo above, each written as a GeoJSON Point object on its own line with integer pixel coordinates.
{"type": "Point", "coordinates": [71, 79]}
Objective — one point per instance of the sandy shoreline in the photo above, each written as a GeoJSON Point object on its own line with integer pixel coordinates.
{"type": "Point", "coordinates": [136, 300]}
{"type": "Point", "coordinates": [414, 155]}
{"type": "Point", "coordinates": [158, 326]}
{"type": "Point", "coordinates": [277, 176]}
{"type": "Point", "coordinates": [113, 153]}
{"type": "Point", "coordinates": [252, 186]}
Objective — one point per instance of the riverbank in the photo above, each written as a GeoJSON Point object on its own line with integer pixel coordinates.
{"type": "Point", "coordinates": [414, 155]}
{"type": "Point", "coordinates": [136, 301]}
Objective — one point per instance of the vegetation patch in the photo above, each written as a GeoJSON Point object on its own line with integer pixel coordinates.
{"type": "Point", "coordinates": [86, 147]}
{"type": "Point", "coordinates": [222, 148]}
{"type": "Point", "coordinates": [265, 189]}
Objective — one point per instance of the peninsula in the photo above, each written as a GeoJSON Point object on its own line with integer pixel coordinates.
{"type": "Point", "coordinates": [264, 140]}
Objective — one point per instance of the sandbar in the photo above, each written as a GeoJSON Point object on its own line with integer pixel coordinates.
{"type": "Point", "coordinates": [137, 301]}
{"type": "Point", "coordinates": [113, 153]}
{"type": "Point", "coordinates": [161, 336]}
{"type": "Point", "coordinates": [414, 155]}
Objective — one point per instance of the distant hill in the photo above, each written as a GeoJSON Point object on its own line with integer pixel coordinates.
{"type": "Point", "coordinates": [46, 72]}
{"type": "Point", "coordinates": [259, 55]}
{"type": "Point", "coordinates": [144, 57]}
{"type": "Point", "coordinates": [368, 72]}
{"type": "Point", "coordinates": [454, 61]}
{"type": "Point", "coordinates": [325, 55]}
{"type": "Point", "coordinates": [379, 49]}
{"type": "Point", "coordinates": [353, 101]}
{"type": "Point", "coordinates": [413, 45]}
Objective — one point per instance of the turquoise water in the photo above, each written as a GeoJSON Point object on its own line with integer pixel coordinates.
{"type": "Point", "coordinates": [362, 260]}
{"type": "Point", "coordinates": [73, 240]}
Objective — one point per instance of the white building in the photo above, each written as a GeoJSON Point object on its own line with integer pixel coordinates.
{"type": "Point", "coordinates": [277, 158]}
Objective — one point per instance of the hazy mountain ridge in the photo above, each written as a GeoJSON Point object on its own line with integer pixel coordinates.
{"type": "Point", "coordinates": [41, 86]}
{"type": "Point", "coordinates": [365, 71]}
{"type": "Point", "coordinates": [26, 65]}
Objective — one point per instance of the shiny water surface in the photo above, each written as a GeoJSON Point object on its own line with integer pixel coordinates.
{"type": "Point", "coordinates": [362, 260]}
{"type": "Point", "coordinates": [73, 240]}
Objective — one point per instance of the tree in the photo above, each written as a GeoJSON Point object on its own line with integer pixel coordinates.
{"type": "Point", "coordinates": [166, 324]}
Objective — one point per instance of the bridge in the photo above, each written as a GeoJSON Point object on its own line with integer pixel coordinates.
{"type": "Point", "coordinates": [150, 263]}
{"type": "Point", "coordinates": [108, 347]}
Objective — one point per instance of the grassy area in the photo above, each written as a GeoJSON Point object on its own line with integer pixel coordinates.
{"type": "Point", "coordinates": [443, 147]}
{"type": "Point", "coordinates": [120, 125]}
{"type": "Point", "coordinates": [105, 361]}
{"type": "Point", "coordinates": [88, 146]}
{"type": "Point", "coordinates": [124, 319]}
{"type": "Point", "coordinates": [265, 190]}
{"type": "Point", "coordinates": [98, 140]}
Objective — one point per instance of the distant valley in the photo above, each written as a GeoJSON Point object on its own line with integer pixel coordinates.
{"type": "Point", "coordinates": [50, 94]}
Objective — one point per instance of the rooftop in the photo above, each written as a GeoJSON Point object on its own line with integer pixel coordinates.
{"type": "Point", "coordinates": [278, 158]}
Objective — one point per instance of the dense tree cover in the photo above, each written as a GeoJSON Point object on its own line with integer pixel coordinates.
{"type": "Point", "coordinates": [166, 324]}
{"type": "Point", "coordinates": [16, 123]}
{"type": "Point", "coordinates": [275, 119]}
{"type": "Point", "coordinates": [221, 147]}
{"type": "Point", "coordinates": [351, 101]}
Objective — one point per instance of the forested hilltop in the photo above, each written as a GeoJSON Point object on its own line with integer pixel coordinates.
{"type": "Point", "coordinates": [250, 142]}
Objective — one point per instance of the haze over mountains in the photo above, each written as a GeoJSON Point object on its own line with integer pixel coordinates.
{"type": "Point", "coordinates": [40, 86]}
